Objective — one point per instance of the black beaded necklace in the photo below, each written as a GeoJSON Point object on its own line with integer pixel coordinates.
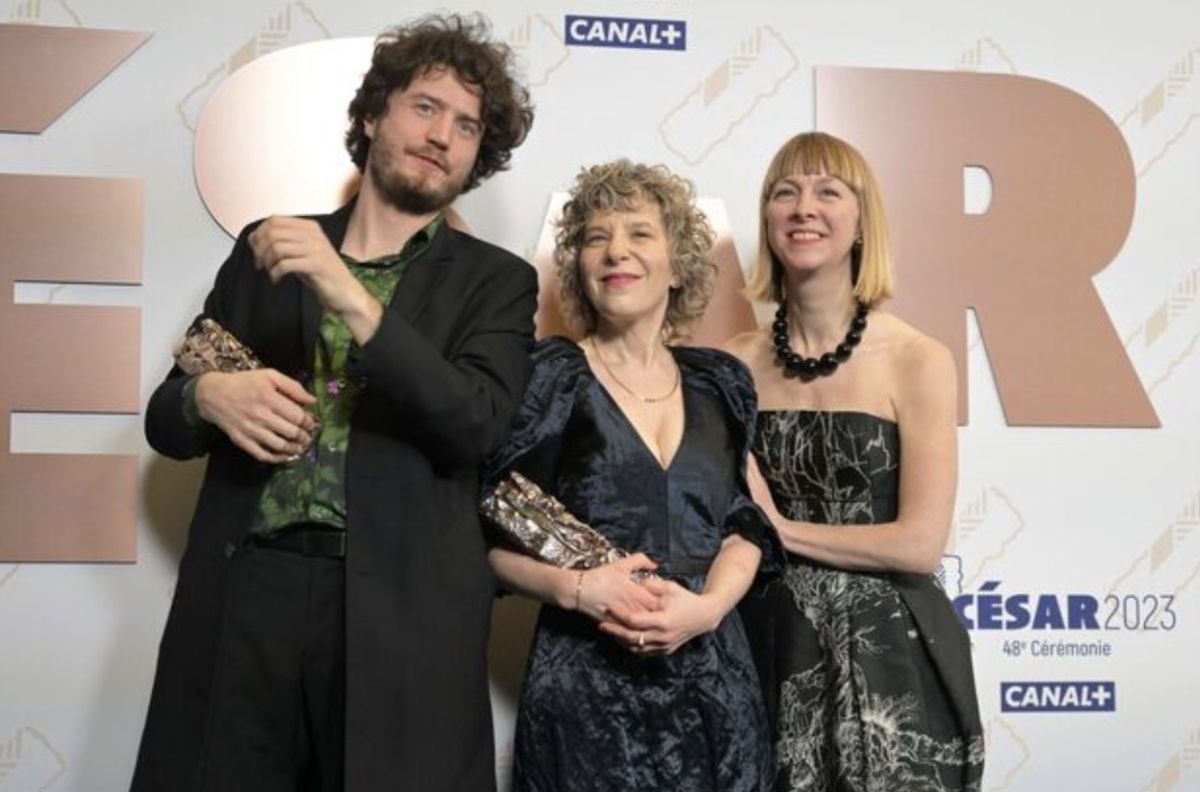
{"type": "Point", "coordinates": [825, 365]}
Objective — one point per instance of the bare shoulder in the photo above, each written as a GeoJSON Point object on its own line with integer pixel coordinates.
{"type": "Point", "coordinates": [747, 347]}
{"type": "Point", "coordinates": [922, 367]}
{"type": "Point", "coordinates": [924, 353]}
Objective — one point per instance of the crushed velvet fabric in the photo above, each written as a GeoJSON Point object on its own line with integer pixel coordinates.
{"type": "Point", "coordinates": [592, 715]}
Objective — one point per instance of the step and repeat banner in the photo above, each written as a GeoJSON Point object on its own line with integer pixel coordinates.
{"type": "Point", "coordinates": [1040, 163]}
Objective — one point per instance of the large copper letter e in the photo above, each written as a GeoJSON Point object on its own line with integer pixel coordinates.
{"type": "Point", "coordinates": [1061, 207]}
{"type": "Point", "coordinates": [65, 359]}
{"type": "Point", "coordinates": [62, 358]}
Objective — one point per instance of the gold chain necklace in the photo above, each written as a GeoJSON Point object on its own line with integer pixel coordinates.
{"type": "Point", "coordinates": [629, 390]}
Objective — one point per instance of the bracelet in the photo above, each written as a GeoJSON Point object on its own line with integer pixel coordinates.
{"type": "Point", "coordinates": [579, 587]}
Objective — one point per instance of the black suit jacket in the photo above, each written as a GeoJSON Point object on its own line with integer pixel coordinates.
{"type": "Point", "coordinates": [441, 378]}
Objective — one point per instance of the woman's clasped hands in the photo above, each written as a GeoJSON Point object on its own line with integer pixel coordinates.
{"type": "Point", "coordinates": [646, 614]}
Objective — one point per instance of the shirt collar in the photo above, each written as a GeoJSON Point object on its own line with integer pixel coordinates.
{"type": "Point", "coordinates": [415, 245]}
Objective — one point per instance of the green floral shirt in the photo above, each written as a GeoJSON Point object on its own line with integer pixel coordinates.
{"type": "Point", "coordinates": [313, 488]}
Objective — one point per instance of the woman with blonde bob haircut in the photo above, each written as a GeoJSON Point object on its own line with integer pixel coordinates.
{"type": "Point", "coordinates": [871, 261]}
{"type": "Point", "coordinates": [866, 669]}
{"type": "Point", "coordinates": [635, 681]}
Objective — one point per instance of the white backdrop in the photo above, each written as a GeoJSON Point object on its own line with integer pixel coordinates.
{"type": "Point", "coordinates": [1107, 516]}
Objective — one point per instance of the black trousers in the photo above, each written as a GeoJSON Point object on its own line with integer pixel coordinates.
{"type": "Point", "coordinates": [277, 718]}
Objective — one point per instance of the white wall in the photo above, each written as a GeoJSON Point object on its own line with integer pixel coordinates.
{"type": "Point", "coordinates": [1042, 510]}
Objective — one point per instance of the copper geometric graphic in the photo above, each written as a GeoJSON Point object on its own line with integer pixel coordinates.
{"type": "Point", "coordinates": [68, 507]}
{"type": "Point", "coordinates": [280, 109]}
{"type": "Point", "coordinates": [1061, 208]}
{"type": "Point", "coordinates": [61, 359]}
{"type": "Point", "coordinates": [45, 70]}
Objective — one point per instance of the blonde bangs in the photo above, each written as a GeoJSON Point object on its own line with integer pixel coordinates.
{"type": "Point", "coordinates": [814, 153]}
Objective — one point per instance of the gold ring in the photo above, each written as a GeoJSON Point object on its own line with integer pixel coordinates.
{"type": "Point", "coordinates": [641, 640]}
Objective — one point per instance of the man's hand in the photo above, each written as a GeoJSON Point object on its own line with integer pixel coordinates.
{"type": "Point", "coordinates": [294, 246]}
{"type": "Point", "coordinates": [261, 411]}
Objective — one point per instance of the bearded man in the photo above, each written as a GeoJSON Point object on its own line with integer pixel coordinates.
{"type": "Point", "coordinates": [329, 626]}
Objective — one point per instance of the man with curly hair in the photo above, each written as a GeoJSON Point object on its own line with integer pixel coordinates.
{"type": "Point", "coordinates": [329, 627]}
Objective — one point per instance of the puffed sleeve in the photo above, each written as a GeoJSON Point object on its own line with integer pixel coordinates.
{"type": "Point", "coordinates": [729, 379]}
{"type": "Point", "coordinates": [535, 436]}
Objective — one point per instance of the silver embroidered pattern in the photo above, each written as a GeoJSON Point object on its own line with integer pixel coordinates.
{"type": "Point", "coordinates": [824, 468]}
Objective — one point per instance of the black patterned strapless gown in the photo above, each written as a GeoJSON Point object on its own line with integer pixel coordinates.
{"type": "Point", "coordinates": [867, 676]}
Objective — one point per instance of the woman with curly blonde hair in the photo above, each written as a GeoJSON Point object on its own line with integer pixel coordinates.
{"type": "Point", "coordinates": [636, 681]}
{"type": "Point", "coordinates": [618, 186]}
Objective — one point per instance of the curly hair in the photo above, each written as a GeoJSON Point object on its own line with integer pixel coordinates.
{"type": "Point", "coordinates": [456, 42]}
{"type": "Point", "coordinates": [620, 186]}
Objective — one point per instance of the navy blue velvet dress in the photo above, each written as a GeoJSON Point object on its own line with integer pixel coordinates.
{"type": "Point", "coordinates": [593, 715]}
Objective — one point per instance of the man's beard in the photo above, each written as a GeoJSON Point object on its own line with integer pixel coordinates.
{"type": "Point", "coordinates": [404, 193]}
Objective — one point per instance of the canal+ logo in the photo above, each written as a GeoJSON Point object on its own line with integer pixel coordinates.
{"type": "Point", "coordinates": [625, 32]}
{"type": "Point", "coordinates": [1058, 696]}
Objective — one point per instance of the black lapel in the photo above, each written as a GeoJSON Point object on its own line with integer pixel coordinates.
{"type": "Point", "coordinates": [422, 277]}
{"type": "Point", "coordinates": [334, 226]}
